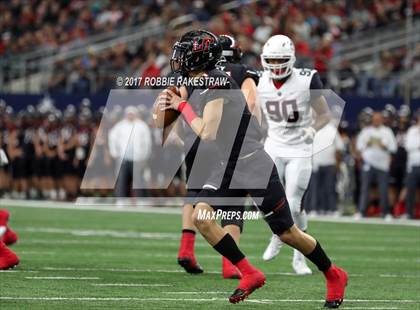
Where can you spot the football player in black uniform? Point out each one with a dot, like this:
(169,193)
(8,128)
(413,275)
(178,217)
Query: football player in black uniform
(247,79)
(67,152)
(210,115)
(16,152)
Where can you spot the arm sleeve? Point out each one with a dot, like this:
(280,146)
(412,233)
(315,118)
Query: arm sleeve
(248,72)
(316,82)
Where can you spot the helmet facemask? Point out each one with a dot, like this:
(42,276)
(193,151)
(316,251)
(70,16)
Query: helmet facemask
(281,69)
(179,57)
(195,51)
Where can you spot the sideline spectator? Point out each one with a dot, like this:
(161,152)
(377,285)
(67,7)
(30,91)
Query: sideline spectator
(326,164)
(375,143)
(130,145)
(412,145)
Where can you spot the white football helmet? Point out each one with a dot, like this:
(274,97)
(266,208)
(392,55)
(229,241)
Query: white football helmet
(278,47)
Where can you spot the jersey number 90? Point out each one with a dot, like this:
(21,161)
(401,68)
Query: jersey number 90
(280,110)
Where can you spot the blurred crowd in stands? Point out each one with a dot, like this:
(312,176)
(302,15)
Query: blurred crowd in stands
(27,25)
(316,27)
(50,149)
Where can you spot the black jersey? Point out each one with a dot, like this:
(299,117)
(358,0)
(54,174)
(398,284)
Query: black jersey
(206,151)
(67,133)
(239,72)
(28,141)
(239,132)
(53,137)
(84,139)
(212,153)
(3,144)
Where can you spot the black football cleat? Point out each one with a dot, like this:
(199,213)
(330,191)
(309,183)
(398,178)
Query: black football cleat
(333,304)
(190,265)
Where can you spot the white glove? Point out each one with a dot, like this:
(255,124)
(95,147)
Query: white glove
(308,134)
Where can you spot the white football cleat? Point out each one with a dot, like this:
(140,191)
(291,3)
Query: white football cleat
(299,264)
(389,218)
(273,248)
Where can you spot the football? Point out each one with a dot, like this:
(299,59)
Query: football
(165,118)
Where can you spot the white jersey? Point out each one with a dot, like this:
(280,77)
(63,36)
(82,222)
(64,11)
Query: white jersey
(376,145)
(288,112)
(412,146)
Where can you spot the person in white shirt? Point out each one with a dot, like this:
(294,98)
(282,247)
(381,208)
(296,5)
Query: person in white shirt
(376,143)
(130,145)
(325,163)
(412,145)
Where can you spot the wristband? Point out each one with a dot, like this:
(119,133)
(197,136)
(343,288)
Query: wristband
(187,111)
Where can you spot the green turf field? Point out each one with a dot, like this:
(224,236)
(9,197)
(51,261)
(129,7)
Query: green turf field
(78,259)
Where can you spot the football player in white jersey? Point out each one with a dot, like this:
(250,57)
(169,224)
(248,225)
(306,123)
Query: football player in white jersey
(290,108)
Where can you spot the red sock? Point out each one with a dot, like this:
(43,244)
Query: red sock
(187,243)
(245,266)
(226,263)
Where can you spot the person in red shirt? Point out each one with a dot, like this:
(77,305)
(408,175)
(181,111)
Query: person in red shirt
(322,56)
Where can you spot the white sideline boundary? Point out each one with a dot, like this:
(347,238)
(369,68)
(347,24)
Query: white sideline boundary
(178,210)
(395,301)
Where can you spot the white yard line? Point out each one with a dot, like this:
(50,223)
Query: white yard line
(14,271)
(50,268)
(392,301)
(90,207)
(102,233)
(194,293)
(131,285)
(178,210)
(414,276)
(62,278)
(162,236)
(37,253)
(119,270)
(211,256)
(373,308)
(403,244)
